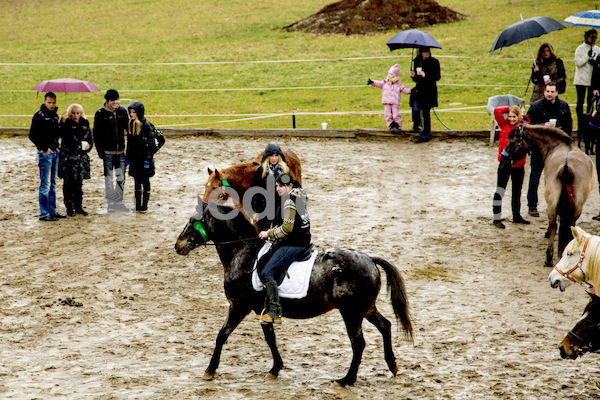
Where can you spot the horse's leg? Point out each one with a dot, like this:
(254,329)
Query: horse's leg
(385,327)
(277,361)
(235,316)
(551,236)
(354,327)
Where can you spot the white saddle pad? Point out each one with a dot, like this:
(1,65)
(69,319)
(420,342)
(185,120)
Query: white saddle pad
(295,283)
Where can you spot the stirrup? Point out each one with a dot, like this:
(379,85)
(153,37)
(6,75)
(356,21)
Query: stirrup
(266,319)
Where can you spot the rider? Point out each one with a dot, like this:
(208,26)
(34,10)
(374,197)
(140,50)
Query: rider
(271,166)
(291,234)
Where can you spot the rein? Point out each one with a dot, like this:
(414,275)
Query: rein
(578,265)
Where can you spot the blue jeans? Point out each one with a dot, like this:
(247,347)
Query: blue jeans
(116,163)
(281,259)
(537,165)
(416,114)
(48,165)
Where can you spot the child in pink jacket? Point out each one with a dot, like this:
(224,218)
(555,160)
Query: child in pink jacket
(390,98)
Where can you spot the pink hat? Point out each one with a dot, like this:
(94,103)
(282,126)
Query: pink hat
(394,70)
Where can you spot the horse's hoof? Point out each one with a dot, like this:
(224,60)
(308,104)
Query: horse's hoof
(337,385)
(271,376)
(208,376)
(548,264)
(394,370)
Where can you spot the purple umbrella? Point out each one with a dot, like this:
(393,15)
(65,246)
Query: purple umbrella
(412,38)
(66,85)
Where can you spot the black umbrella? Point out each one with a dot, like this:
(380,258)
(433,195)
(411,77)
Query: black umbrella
(524,30)
(412,38)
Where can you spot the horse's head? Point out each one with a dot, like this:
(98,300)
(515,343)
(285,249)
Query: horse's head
(573,265)
(218,223)
(194,233)
(585,335)
(516,148)
(216,180)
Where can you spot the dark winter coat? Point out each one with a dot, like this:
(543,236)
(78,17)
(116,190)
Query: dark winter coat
(543,110)
(44,129)
(425,93)
(73,162)
(109,130)
(142,144)
(553,67)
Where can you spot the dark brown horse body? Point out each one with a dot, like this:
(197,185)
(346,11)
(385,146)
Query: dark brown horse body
(569,177)
(585,335)
(239,176)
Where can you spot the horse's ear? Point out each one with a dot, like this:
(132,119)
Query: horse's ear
(210,171)
(593,297)
(578,233)
(217,174)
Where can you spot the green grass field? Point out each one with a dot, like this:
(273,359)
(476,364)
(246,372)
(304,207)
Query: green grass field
(221,64)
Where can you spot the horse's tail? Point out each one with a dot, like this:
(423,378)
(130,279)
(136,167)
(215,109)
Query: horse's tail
(566,209)
(397,291)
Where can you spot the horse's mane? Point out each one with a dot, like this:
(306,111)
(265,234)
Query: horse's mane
(592,253)
(242,217)
(555,133)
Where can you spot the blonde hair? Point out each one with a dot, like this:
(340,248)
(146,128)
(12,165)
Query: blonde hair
(265,165)
(74,107)
(135,126)
(515,110)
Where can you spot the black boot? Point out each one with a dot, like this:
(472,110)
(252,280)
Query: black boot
(274,313)
(145,199)
(138,200)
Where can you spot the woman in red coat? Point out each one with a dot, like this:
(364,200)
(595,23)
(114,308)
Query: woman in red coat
(515,172)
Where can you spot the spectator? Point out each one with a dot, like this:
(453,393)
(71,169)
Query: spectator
(110,124)
(142,144)
(424,95)
(74,162)
(585,60)
(540,113)
(548,68)
(44,134)
(390,98)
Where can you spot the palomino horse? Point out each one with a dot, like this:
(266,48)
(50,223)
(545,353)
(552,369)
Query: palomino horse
(585,335)
(580,262)
(239,176)
(569,176)
(341,278)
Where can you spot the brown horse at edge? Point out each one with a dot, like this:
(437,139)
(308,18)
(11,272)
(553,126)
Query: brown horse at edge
(239,176)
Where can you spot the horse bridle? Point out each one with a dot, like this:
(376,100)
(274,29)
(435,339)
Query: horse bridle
(197,221)
(577,266)
(519,147)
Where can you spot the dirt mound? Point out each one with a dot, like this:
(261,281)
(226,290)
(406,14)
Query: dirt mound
(351,17)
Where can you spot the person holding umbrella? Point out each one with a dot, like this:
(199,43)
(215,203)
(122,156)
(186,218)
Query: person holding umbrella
(585,59)
(547,68)
(424,95)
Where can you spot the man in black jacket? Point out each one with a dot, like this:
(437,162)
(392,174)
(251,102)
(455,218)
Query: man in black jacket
(44,134)
(110,124)
(549,111)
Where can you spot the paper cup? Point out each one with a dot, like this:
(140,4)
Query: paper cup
(546,78)
(84,145)
(324,125)
(419,69)
(552,121)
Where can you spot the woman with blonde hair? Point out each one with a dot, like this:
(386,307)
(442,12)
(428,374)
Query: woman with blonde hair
(74,162)
(271,167)
(142,144)
(515,172)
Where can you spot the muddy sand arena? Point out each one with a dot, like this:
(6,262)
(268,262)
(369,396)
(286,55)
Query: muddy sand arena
(102,307)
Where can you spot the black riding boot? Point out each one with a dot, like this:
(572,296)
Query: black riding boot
(274,313)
